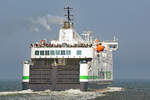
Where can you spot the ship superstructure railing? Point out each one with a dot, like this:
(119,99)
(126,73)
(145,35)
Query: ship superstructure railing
(49,45)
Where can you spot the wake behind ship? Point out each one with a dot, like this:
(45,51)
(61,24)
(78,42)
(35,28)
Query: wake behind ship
(71,62)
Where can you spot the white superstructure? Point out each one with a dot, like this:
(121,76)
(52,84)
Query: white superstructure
(71,45)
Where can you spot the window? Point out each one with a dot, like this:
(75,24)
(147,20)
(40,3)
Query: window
(112,46)
(52,52)
(42,52)
(68,52)
(62,52)
(57,52)
(36,52)
(46,52)
(79,52)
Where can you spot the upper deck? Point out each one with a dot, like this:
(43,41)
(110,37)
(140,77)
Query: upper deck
(71,45)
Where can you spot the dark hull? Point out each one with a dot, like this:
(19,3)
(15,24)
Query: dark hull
(45,75)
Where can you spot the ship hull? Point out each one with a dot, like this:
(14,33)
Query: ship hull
(46,75)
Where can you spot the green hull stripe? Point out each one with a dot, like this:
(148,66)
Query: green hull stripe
(93,77)
(88,77)
(107,73)
(25,77)
(84,77)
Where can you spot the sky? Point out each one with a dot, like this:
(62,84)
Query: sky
(23,22)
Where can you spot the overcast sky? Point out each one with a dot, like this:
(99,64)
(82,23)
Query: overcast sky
(25,21)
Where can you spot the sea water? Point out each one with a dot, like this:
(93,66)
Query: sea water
(119,90)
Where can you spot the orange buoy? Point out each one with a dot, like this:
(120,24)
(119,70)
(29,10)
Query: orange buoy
(99,48)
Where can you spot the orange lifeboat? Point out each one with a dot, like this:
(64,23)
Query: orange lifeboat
(99,48)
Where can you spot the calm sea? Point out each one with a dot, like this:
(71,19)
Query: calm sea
(130,90)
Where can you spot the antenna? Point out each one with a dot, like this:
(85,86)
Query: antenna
(68,2)
(68,15)
(115,38)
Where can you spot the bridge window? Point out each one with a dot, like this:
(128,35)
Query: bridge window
(79,52)
(36,52)
(62,52)
(52,52)
(57,52)
(68,52)
(46,52)
(42,52)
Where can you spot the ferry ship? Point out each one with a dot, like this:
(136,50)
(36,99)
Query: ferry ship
(72,62)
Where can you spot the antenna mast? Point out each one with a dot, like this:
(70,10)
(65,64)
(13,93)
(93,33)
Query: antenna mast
(68,15)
